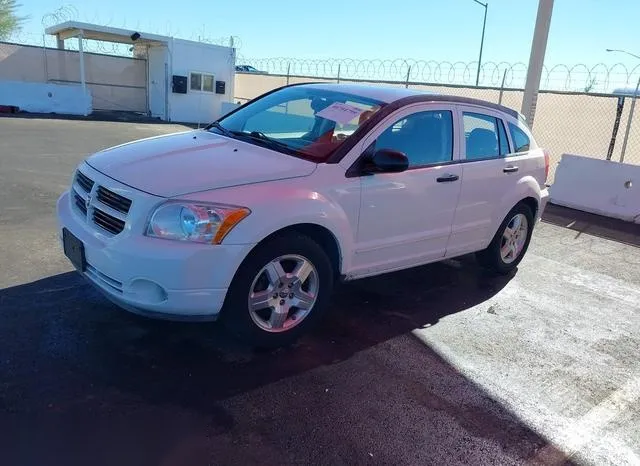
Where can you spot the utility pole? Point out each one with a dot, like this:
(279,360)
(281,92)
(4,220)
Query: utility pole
(536,59)
(484,26)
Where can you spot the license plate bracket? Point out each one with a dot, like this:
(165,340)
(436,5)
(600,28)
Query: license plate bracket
(74,250)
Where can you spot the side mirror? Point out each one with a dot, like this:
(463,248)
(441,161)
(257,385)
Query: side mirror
(386,161)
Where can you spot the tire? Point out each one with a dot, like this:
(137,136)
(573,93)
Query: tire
(267,309)
(493,257)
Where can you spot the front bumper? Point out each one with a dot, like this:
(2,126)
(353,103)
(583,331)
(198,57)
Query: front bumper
(151,276)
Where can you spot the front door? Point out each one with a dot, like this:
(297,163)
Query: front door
(405,218)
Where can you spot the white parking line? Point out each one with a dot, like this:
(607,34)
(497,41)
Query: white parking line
(554,374)
(589,429)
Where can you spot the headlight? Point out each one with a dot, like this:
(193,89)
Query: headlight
(200,223)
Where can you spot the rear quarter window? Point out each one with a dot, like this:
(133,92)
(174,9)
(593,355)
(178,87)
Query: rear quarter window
(521,141)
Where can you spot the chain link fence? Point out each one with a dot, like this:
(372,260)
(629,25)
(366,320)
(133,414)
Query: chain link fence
(575,122)
(633,148)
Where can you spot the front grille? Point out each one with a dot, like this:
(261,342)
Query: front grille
(80,202)
(84,181)
(108,222)
(113,200)
(101,206)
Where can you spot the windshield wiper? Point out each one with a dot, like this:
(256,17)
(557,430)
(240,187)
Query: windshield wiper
(222,129)
(263,138)
(257,136)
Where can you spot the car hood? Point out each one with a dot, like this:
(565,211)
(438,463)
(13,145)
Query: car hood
(193,161)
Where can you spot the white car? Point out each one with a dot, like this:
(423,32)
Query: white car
(254,218)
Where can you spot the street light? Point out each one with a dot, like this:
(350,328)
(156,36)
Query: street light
(624,51)
(484,24)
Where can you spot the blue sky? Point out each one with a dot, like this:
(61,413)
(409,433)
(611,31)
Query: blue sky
(418,29)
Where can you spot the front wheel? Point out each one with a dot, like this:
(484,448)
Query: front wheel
(511,241)
(279,292)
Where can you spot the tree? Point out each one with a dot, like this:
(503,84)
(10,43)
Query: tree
(10,22)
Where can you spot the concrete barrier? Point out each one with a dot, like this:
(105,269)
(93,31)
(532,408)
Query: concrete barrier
(598,186)
(46,97)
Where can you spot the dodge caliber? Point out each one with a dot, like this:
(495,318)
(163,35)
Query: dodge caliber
(254,218)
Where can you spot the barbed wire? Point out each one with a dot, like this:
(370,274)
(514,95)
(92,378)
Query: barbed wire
(108,48)
(70,13)
(59,15)
(579,77)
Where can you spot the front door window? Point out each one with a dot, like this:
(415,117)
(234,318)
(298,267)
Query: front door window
(426,138)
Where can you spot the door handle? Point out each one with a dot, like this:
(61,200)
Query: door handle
(510,169)
(447,178)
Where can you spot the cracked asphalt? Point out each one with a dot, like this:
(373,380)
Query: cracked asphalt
(441,364)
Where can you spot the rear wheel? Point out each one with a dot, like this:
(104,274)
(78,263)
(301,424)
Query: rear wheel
(510,242)
(279,292)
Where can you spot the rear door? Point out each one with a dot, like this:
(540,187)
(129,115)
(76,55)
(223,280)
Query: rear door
(490,170)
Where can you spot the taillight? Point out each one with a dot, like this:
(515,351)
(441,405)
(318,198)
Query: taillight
(546,164)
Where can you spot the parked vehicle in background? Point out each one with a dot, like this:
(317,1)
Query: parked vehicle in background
(249,69)
(254,218)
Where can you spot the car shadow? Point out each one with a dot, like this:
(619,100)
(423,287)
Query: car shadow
(68,343)
(592,224)
(364,313)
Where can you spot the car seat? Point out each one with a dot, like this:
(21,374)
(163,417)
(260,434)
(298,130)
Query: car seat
(482,143)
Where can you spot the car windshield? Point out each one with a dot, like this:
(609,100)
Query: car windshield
(304,121)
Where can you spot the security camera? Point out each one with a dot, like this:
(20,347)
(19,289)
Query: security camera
(135,36)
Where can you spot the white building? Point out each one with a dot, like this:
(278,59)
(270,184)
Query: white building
(183,81)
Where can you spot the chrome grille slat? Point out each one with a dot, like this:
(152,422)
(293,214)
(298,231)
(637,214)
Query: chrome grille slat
(80,202)
(108,222)
(108,210)
(113,200)
(84,181)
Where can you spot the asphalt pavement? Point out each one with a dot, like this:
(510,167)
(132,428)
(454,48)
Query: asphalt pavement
(442,364)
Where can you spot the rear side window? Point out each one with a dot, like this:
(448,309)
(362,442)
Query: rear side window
(520,139)
(485,136)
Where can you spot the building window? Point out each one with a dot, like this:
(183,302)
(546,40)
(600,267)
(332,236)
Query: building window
(207,83)
(196,82)
(202,82)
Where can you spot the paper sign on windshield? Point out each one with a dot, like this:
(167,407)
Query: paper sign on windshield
(340,113)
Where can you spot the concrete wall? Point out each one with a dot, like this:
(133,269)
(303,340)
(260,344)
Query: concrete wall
(573,123)
(67,99)
(121,83)
(199,106)
(22,63)
(116,83)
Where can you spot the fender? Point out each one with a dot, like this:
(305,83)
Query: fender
(527,186)
(303,205)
